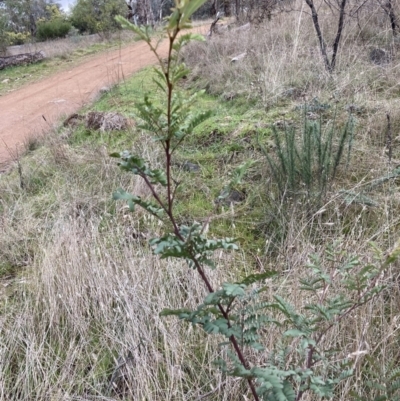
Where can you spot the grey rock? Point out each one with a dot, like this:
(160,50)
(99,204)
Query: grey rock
(190,167)
(233,197)
(379,56)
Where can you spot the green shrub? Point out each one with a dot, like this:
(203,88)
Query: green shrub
(53,29)
(3,35)
(87,18)
(17,38)
(308,163)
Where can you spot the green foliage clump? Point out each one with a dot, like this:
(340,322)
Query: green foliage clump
(53,29)
(309,162)
(4,42)
(383,383)
(90,16)
(17,38)
(242,313)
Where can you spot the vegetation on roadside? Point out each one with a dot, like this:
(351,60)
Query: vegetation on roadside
(97,18)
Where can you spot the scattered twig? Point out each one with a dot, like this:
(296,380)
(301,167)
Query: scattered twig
(16,157)
(214,23)
(389,138)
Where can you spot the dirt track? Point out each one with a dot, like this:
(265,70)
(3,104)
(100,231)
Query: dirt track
(22,111)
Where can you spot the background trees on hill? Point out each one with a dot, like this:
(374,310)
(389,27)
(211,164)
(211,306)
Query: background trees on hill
(23,15)
(21,19)
(97,16)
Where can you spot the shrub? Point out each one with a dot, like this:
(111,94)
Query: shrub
(17,38)
(99,18)
(309,163)
(3,35)
(53,29)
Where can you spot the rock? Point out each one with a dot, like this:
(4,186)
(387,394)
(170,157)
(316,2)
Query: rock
(104,89)
(21,59)
(107,121)
(233,197)
(190,167)
(5,81)
(73,120)
(379,56)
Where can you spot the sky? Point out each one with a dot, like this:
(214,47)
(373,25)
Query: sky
(65,4)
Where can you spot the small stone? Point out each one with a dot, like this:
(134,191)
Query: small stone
(312,116)
(5,81)
(234,197)
(379,56)
(104,89)
(190,167)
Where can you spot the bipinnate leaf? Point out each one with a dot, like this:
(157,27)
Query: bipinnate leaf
(234,290)
(138,166)
(183,40)
(141,31)
(294,333)
(257,277)
(175,312)
(133,200)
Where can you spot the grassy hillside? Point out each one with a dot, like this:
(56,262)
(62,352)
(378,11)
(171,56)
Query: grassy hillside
(81,291)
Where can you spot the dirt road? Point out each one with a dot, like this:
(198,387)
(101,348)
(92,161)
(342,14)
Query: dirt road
(65,92)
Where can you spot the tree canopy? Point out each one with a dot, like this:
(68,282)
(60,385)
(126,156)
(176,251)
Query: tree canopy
(96,16)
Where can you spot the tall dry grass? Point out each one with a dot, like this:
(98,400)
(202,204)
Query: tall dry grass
(283,60)
(81,319)
(64,47)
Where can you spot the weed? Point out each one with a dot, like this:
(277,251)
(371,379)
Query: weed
(309,164)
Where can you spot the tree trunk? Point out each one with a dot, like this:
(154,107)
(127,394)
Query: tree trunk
(317,27)
(144,12)
(227,8)
(338,34)
(330,65)
(20,59)
(237,9)
(213,8)
(388,7)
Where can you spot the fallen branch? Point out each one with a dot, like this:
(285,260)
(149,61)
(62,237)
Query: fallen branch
(213,25)
(20,59)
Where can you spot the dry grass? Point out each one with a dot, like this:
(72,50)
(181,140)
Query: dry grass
(66,46)
(283,61)
(80,320)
